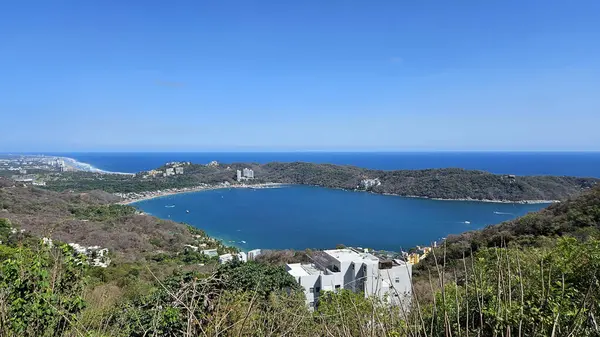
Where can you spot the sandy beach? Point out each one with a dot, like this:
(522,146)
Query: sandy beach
(131,198)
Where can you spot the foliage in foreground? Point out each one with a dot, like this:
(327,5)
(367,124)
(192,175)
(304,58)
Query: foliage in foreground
(40,291)
(500,292)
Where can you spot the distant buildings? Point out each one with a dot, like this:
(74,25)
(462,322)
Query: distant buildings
(248,173)
(332,270)
(97,257)
(169,171)
(245,174)
(369,183)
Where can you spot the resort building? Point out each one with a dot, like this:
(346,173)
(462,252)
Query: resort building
(245,174)
(253,254)
(358,271)
(248,173)
(241,256)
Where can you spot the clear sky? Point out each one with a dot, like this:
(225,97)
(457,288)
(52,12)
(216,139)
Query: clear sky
(104,75)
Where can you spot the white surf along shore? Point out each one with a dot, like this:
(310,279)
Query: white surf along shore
(76,165)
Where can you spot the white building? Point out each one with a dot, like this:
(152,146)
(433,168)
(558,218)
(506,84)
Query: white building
(253,254)
(210,252)
(241,256)
(170,171)
(245,174)
(179,170)
(351,269)
(225,258)
(248,173)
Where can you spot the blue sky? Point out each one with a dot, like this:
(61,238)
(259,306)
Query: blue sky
(299,75)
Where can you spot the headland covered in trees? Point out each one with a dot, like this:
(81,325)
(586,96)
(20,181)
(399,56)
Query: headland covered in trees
(449,183)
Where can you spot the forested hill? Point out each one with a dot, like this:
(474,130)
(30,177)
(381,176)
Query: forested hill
(577,217)
(450,183)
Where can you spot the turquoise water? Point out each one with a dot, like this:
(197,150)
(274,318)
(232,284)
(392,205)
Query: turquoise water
(300,217)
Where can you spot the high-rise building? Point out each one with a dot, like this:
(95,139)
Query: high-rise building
(248,173)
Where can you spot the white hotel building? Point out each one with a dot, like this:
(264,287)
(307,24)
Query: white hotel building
(358,271)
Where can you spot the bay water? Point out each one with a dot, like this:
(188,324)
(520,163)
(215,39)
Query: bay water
(300,217)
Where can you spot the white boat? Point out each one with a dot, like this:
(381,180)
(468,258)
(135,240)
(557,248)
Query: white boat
(187,211)
(243,241)
(467,222)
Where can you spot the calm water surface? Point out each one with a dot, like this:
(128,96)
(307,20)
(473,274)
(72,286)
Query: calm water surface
(300,217)
(581,164)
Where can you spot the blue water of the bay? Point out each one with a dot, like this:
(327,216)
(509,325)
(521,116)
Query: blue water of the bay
(299,217)
(302,217)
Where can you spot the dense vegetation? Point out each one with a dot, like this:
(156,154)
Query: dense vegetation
(577,217)
(538,275)
(432,183)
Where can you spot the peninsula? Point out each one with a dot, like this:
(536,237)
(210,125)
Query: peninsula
(448,183)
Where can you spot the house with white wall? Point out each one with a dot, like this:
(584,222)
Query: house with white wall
(358,271)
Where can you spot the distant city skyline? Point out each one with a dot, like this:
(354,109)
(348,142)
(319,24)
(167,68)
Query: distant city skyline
(267,75)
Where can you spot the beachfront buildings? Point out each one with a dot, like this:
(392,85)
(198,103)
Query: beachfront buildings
(356,270)
(245,174)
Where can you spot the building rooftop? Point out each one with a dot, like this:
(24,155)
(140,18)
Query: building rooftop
(296,270)
(299,269)
(343,255)
(348,255)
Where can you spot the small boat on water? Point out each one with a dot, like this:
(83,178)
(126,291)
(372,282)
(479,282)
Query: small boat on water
(243,241)
(170,206)
(467,222)
(187,211)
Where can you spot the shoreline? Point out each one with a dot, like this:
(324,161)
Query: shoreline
(76,165)
(523,202)
(149,195)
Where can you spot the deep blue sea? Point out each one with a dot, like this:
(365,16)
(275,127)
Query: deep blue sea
(300,217)
(583,164)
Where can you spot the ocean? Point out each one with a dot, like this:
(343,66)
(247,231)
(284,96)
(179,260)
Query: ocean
(300,217)
(581,164)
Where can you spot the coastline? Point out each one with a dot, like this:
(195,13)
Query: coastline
(75,165)
(524,202)
(132,198)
